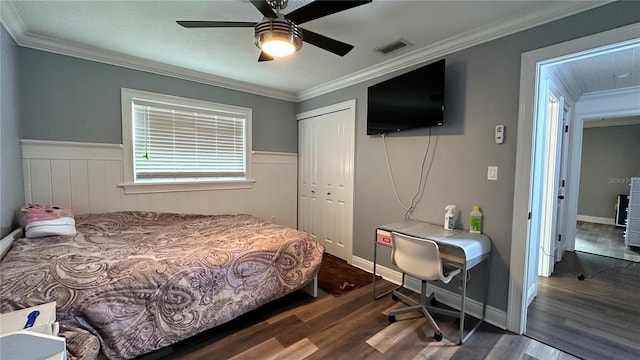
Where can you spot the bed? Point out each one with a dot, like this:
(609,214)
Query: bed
(129,283)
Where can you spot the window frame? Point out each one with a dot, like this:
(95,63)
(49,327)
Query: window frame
(128,96)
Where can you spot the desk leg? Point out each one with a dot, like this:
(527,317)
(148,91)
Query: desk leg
(484,309)
(463,305)
(375,257)
(375,261)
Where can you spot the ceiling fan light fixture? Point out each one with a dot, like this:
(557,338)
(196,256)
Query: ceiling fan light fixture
(278,37)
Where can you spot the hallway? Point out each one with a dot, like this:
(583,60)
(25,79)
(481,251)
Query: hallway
(604,240)
(596,318)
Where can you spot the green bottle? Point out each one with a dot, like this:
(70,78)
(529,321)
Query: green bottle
(475,225)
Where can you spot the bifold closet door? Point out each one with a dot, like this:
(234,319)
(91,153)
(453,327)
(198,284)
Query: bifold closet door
(308,177)
(326,149)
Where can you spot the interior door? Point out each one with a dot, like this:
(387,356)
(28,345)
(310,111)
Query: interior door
(552,199)
(326,167)
(561,208)
(336,145)
(309,219)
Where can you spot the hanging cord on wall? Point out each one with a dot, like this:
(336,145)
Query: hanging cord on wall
(581,276)
(422,184)
(422,181)
(393,183)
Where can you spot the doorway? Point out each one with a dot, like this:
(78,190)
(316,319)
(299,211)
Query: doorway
(584,289)
(610,148)
(524,251)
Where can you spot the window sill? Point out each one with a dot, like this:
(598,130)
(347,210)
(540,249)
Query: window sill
(146,188)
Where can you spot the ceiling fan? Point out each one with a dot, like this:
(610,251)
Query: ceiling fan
(278,34)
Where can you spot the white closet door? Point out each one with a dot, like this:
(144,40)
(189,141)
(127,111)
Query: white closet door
(326,161)
(308,177)
(336,165)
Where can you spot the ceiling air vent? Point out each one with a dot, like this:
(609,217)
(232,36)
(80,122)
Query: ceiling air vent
(392,47)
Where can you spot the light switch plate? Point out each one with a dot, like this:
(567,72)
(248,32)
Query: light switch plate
(492,173)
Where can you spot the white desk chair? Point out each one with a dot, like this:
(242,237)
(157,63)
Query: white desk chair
(420,259)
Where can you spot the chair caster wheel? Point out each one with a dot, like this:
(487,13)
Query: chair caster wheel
(392,318)
(394,298)
(437,336)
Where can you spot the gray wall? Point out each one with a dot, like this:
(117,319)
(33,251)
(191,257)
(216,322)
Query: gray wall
(610,156)
(482,87)
(69,99)
(11,183)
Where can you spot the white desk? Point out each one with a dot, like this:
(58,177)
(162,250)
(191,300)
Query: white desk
(458,248)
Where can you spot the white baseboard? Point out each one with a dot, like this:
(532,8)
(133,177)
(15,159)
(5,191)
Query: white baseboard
(597,219)
(531,294)
(493,316)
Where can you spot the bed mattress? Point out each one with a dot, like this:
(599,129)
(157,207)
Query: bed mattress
(132,282)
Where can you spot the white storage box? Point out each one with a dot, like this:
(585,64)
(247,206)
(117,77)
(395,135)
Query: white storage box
(38,342)
(45,323)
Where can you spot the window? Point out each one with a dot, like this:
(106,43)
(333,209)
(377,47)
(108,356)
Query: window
(177,144)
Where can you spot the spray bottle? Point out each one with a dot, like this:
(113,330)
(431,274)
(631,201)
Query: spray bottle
(450,217)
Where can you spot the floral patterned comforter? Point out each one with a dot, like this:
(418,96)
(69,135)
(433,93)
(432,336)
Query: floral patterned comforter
(131,282)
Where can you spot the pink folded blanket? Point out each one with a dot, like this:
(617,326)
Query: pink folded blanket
(46,220)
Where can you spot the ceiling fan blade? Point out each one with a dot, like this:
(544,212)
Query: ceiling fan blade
(323,42)
(318,9)
(215,24)
(264,57)
(264,8)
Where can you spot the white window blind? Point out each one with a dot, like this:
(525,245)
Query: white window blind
(175,143)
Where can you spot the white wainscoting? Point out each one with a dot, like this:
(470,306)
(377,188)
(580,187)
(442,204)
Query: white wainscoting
(86,177)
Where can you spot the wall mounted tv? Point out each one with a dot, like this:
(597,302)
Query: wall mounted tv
(411,100)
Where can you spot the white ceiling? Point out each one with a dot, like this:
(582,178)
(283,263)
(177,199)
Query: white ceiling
(607,70)
(144,35)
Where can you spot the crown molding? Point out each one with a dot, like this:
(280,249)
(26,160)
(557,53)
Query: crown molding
(112,58)
(607,122)
(459,42)
(22,37)
(11,21)
(609,103)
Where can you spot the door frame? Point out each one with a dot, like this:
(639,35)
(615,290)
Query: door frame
(551,123)
(350,106)
(562,233)
(553,160)
(530,68)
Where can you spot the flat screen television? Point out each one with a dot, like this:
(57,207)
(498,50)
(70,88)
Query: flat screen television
(411,100)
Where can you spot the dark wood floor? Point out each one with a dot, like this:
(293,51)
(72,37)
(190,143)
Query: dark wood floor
(352,326)
(597,318)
